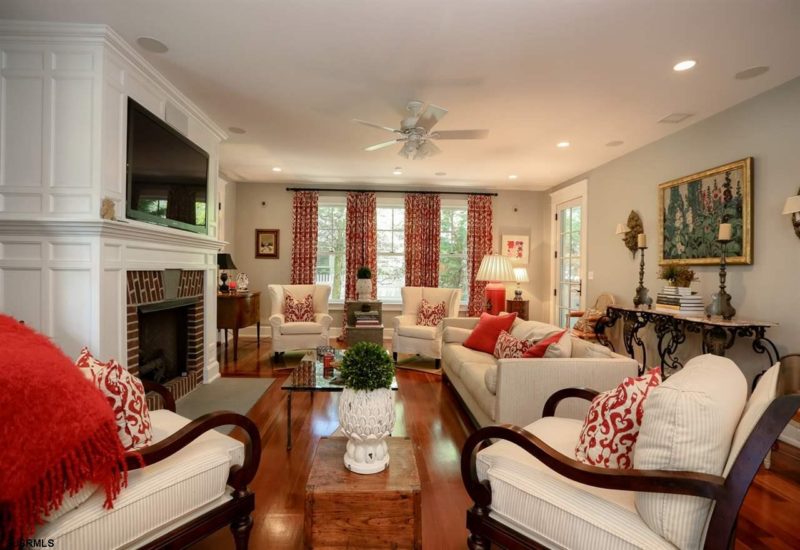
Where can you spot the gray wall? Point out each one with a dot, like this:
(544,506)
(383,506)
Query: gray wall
(766,128)
(269,206)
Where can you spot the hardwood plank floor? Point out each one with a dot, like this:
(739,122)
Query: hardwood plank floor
(429,414)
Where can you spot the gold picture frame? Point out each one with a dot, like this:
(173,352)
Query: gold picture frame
(691,208)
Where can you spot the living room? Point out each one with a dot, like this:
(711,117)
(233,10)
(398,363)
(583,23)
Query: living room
(261,229)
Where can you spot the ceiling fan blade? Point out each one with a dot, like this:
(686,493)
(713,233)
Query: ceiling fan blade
(430,117)
(365,123)
(460,134)
(382,145)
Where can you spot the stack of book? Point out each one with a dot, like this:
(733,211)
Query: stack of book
(367,318)
(680,299)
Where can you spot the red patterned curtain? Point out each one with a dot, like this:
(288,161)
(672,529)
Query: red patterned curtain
(362,240)
(479,243)
(422,237)
(304,237)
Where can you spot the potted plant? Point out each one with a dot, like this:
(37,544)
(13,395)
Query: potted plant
(366,407)
(677,275)
(364,283)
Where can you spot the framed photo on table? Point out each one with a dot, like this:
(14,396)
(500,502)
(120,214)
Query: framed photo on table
(267,243)
(690,210)
(515,247)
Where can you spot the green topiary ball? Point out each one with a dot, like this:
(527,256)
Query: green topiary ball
(367,366)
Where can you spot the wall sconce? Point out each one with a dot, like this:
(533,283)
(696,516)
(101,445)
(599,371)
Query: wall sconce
(792,207)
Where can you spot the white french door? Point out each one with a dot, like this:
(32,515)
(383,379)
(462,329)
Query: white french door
(568,207)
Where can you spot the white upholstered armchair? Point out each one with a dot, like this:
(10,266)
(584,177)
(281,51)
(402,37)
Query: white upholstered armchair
(299,335)
(422,340)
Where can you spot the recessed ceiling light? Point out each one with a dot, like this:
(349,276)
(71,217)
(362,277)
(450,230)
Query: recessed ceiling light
(237,130)
(440,174)
(752,72)
(512,176)
(562,144)
(684,65)
(151,44)
(277,169)
(397,171)
(615,143)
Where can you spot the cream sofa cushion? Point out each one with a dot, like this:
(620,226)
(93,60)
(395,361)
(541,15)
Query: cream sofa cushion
(301,327)
(472,376)
(417,331)
(584,348)
(553,510)
(455,355)
(532,330)
(688,425)
(159,495)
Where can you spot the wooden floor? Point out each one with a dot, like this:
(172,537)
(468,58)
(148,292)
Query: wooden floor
(429,414)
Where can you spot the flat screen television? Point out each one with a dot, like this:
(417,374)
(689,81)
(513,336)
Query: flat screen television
(167,174)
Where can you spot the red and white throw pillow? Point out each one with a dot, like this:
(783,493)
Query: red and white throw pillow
(125,395)
(510,347)
(430,315)
(298,311)
(611,427)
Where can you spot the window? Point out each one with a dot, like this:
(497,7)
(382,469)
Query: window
(391,251)
(331,248)
(453,252)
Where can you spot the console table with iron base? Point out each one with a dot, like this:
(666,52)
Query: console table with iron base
(671,329)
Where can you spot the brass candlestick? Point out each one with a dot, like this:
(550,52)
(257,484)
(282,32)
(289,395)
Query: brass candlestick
(721,301)
(641,298)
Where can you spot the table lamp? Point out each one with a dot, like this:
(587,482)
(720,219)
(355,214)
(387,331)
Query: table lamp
(495,270)
(521,276)
(224,261)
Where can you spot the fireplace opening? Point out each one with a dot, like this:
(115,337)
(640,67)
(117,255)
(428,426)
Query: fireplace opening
(164,339)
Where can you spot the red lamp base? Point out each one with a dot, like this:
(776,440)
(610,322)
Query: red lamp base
(495,298)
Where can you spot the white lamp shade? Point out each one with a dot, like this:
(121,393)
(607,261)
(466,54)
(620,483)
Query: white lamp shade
(521,274)
(495,268)
(622,229)
(792,205)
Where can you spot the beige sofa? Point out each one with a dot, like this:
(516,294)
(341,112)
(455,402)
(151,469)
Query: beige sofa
(514,391)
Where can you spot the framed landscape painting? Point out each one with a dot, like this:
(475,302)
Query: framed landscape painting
(267,243)
(515,247)
(691,209)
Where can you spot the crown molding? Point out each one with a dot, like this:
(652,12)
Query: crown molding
(46,31)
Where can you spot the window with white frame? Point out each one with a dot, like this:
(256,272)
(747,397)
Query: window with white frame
(453,248)
(331,243)
(391,249)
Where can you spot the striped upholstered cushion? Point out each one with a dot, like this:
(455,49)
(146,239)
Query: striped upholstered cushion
(689,423)
(556,511)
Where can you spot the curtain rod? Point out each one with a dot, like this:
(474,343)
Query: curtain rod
(389,191)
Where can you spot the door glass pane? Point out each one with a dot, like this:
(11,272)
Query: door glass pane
(575,301)
(563,318)
(575,219)
(564,217)
(565,247)
(564,293)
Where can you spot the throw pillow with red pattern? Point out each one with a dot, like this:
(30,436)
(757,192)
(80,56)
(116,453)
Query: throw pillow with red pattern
(125,395)
(612,425)
(430,315)
(298,311)
(509,347)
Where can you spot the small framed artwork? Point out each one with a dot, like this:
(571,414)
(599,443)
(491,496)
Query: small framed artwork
(690,210)
(515,247)
(267,243)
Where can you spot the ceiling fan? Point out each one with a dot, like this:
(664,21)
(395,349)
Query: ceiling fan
(415,132)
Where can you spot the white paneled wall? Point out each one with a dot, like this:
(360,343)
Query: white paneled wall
(63,134)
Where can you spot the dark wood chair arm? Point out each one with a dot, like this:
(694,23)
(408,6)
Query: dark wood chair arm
(553,401)
(166,395)
(652,481)
(239,476)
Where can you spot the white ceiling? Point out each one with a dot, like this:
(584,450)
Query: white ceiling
(534,72)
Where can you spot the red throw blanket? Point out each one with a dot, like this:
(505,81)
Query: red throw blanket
(57,432)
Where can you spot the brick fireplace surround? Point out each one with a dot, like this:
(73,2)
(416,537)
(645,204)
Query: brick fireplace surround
(147,287)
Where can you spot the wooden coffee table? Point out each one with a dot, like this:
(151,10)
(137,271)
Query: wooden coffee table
(349,510)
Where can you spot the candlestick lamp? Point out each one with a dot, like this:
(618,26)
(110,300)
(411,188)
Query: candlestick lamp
(721,301)
(521,276)
(641,298)
(224,261)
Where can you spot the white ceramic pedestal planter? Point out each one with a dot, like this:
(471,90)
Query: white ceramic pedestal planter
(364,289)
(367,419)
